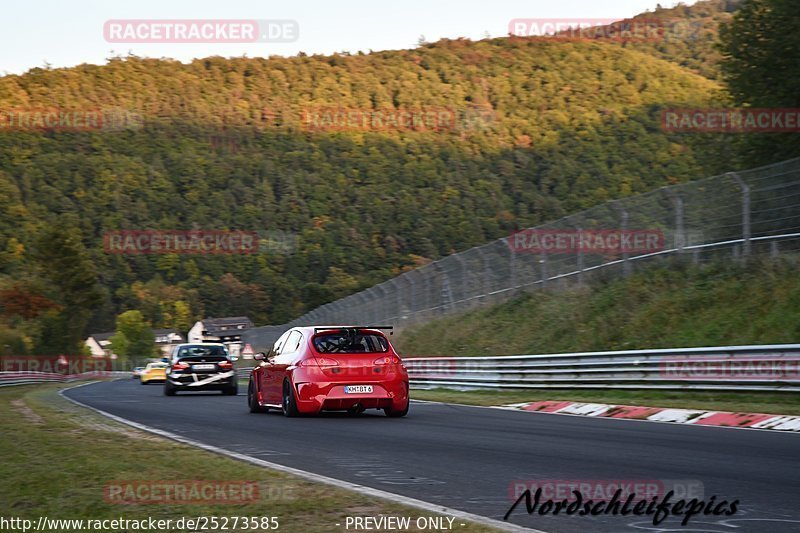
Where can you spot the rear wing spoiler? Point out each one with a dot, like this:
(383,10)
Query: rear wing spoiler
(353,328)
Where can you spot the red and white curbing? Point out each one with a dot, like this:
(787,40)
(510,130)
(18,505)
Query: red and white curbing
(659,414)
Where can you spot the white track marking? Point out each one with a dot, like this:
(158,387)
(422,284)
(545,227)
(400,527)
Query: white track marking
(310,476)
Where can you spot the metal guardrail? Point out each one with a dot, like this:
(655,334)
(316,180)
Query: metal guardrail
(752,368)
(736,368)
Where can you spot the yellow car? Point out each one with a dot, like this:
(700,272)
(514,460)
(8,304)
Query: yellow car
(153,372)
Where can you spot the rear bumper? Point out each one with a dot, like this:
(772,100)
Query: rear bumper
(194,381)
(331,396)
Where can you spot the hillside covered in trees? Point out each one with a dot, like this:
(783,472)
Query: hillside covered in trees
(529,129)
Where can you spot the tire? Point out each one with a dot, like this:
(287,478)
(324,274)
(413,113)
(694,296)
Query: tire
(391,413)
(252,401)
(289,405)
(142,382)
(169,389)
(232,390)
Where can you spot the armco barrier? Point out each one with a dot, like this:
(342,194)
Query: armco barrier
(752,368)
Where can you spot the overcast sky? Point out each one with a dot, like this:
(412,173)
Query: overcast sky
(67,33)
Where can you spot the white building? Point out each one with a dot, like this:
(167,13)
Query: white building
(227,330)
(167,339)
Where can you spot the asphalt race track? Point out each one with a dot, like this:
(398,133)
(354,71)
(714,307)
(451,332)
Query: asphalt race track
(468,458)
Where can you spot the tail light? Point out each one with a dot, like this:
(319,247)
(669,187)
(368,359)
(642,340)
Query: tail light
(180,366)
(326,361)
(387,360)
(225,365)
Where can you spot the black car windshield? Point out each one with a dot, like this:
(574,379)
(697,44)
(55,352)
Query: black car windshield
(345,342)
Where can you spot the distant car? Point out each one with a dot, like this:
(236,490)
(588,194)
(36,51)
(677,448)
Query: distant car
(331,368)
(137,372)
(153,372)
(196,367)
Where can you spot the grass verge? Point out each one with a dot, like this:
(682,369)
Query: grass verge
(768,403)
(58,458)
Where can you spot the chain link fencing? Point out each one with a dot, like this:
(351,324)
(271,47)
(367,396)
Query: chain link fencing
(730,217)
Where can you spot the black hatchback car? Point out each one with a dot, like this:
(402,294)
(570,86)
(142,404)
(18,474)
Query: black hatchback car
(196,367)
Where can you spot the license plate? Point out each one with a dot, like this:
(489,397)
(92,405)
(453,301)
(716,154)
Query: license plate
(358,389)
(204,367)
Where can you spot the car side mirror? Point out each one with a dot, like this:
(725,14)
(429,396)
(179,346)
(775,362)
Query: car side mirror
(260,356)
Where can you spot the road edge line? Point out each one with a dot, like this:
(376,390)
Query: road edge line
(309,476)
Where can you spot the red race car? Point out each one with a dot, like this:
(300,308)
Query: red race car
(336,368)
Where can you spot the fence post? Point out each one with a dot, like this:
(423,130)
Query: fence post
(397,301)
(677,202)
(623,226)
(380,300)
(335,311)
(412,296)
(745,212)
(405,310)
(362,309)
(512,271)
(543,263)
(461,283)
(485,276)
(579,254)
(445,296)
(428,292)
(368,309)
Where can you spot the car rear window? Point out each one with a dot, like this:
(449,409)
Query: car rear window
(203,352)
(345,342)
